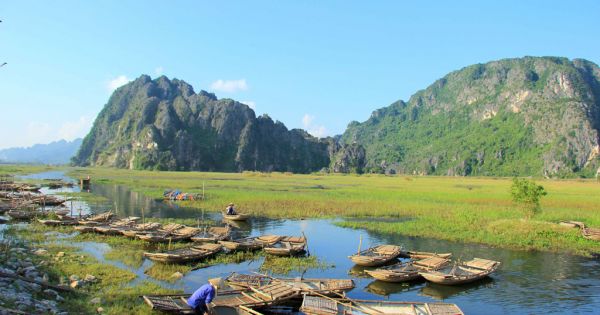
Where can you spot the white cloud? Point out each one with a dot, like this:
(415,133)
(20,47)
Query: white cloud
(116,83)
(316,130)
(251,104)
(159,71)
(307,120)
(71,130)
(229,86)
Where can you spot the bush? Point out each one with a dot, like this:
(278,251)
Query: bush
(528,194)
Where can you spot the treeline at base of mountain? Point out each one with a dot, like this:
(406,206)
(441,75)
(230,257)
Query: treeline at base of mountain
(531,116)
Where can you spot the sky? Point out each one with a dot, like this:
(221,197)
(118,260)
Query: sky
(316,65)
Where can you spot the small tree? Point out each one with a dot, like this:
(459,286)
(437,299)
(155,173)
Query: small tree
(528,194)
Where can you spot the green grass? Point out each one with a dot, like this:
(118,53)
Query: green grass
(465,209)
(112,285)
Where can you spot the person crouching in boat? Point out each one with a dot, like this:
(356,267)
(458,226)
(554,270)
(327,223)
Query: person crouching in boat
(201,299)
(230,210)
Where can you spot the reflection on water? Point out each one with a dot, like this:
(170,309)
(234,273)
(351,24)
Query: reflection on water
(527,282)
(443,292)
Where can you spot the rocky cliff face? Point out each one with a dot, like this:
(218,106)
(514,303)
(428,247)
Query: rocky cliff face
(163,124)
(526,116)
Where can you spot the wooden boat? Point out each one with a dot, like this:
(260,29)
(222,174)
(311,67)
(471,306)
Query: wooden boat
(321,286)
(316,305)
(116,227)
(376,256)
(236,217)
(572,224)
(183,255)
(213,234)
(422,255)
(141,229)
(287,246)
(465,272)
(407,271)
(64,220)
(22,214)
(251,243)
(97,219)
(165,234)
(591,233)
(232,302)
(49,200)
(84,228)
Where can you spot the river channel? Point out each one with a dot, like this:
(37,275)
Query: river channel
(528,282)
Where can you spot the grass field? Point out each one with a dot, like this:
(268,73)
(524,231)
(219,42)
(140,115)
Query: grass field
(463,209)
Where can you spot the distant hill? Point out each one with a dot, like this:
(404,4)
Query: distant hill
(58,152)
(163,124)
(525,116)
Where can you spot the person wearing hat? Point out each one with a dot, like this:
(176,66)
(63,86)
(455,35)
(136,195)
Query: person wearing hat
(230,210)
(201,299)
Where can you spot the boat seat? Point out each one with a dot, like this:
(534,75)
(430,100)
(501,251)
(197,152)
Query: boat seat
(386,249)
(481,263)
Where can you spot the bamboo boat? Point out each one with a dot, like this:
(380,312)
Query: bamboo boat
(465,272)
(164,234)
(572,224)
(591,233)
(232,302)
(251,243)
(213,234)
(376,256)
(287,246)
(141,229)
(97,219)
(116,227)
(422,255)
(183,255)
(321,286)
(22,214)
(236,217)
(316,305)
(64,220)
(49,200)
(407,271)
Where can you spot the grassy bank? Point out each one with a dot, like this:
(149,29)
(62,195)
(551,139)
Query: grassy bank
(451,208)
(110,289)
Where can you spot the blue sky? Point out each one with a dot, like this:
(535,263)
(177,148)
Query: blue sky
(311,64)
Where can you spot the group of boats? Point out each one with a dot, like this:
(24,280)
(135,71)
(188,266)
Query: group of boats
(256,294)
(207,241)
(22,201)
(434,267)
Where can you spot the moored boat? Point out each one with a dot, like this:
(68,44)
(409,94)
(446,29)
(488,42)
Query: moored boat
(316,305)
(591,233)
(115,228)
(250,243)
(183,255)
(415,255)
(212,234)
(376,256)
(141,229)
(407,271)
(287,246)
(63,220)
(464,272)
(22,214)
(236,217)
(321,286)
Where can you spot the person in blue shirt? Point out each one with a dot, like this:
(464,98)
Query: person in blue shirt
(230,210)
(201,298)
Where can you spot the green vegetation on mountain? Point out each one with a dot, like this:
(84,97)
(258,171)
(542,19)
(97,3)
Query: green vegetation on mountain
(162,124)
(532,116)
(525,116)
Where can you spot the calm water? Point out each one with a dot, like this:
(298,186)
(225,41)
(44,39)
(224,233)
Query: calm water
(527,282)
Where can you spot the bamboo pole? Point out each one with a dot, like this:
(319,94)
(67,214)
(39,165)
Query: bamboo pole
(359,244)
